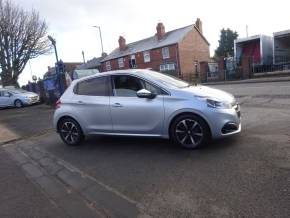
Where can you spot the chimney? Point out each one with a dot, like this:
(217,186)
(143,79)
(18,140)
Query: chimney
(160,31)
(198,25)
(122,43)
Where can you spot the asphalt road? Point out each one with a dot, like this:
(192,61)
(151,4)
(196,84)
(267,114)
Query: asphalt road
(243,176)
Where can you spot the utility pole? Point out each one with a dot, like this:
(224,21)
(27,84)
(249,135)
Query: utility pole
(100,37)
(83,53)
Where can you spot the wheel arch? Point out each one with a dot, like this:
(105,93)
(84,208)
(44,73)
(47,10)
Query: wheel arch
(17,99)
(187,113)
(67,117)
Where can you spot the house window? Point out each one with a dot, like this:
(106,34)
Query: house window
(132,61)
(167,67)
(146,55)
(165,52)
(108,66)
(121,62)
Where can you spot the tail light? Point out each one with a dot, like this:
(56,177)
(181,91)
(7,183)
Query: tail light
(57,104)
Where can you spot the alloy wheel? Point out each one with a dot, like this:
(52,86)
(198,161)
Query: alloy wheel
(18,103)
(189,132)
(69,132)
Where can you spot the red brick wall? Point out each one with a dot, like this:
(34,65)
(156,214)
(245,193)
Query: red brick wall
(156,59)
(192,47)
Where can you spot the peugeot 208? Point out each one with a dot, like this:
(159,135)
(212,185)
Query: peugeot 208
(145,103)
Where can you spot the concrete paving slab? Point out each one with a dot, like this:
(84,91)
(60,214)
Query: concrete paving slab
(74,180)
(32,171)
(52,187)
(77,207)
(114,205)
(7,135)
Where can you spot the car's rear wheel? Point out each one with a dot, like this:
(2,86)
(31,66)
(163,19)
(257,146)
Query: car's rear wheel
(190,131)
(70,131)
(18,103)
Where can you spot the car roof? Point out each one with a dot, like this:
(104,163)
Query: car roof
(136,72)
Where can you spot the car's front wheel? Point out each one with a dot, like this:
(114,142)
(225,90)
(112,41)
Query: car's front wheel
(190,131)
(70,131)
(18,103)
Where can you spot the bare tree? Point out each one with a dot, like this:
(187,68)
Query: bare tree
(22,37)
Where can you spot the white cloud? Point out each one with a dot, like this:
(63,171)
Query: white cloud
(71,21)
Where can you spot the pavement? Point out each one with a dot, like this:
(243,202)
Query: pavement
(243,176)
(19,196)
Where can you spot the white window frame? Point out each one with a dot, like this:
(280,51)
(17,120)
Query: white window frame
(108,66)
(121,62)
(167,67)
(165,52)
(133,57)
(147,57)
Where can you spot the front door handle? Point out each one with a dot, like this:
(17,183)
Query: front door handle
(81,102)
(117,105)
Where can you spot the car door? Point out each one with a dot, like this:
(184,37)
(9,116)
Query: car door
(92,104)
(4,98)
(134,115)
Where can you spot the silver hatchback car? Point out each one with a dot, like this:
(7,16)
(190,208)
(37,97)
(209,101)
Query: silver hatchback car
(17,97)
(145,103)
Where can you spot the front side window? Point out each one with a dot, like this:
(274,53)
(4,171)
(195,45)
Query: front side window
(121,62)
(165,52)
(146,55)
(98,86)
(126,86)
(108,66)
(153,89)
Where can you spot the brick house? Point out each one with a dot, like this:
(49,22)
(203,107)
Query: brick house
(174,52)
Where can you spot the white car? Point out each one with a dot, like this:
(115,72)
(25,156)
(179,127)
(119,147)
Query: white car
(17,97)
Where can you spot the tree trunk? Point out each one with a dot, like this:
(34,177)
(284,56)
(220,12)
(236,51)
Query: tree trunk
(8,80)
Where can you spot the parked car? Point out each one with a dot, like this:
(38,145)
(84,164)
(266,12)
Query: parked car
(145,103)
(17,97)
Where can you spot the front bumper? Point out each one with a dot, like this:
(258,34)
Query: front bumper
(225,122)
(30,101)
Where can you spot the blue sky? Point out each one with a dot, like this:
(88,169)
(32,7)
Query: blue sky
(70,23)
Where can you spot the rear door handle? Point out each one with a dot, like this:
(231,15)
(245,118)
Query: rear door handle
(81,102)
(117,105)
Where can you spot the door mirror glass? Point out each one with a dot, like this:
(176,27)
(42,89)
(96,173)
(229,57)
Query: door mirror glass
(144,93)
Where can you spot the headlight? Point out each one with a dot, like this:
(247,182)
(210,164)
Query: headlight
(218,104)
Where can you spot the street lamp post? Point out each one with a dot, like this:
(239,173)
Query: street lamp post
(100,37)
(53,42)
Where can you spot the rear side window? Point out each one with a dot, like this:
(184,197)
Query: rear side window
(94,87)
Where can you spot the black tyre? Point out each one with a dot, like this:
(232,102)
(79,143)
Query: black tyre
(190,131)
(18,103)
(70,131)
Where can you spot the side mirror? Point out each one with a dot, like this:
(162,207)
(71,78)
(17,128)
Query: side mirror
(143,93)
